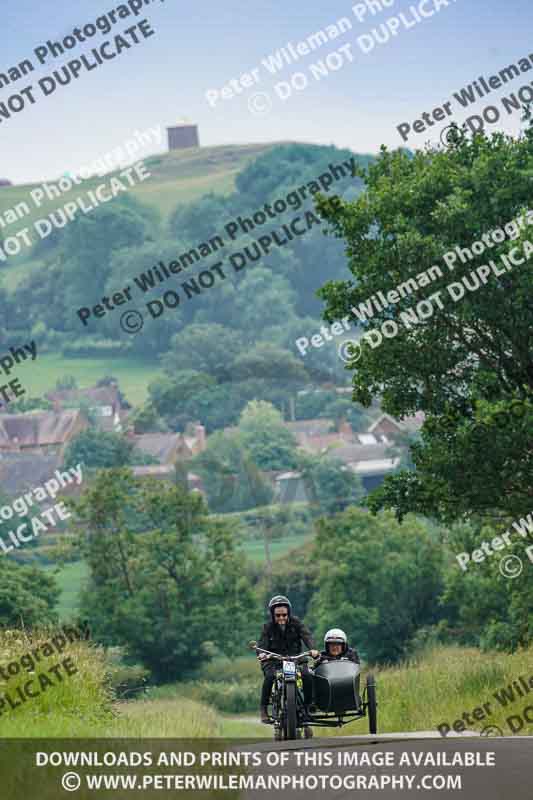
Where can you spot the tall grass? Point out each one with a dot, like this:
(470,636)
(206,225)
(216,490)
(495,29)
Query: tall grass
(84,706)
(442,684)
(71,704)
(419,695)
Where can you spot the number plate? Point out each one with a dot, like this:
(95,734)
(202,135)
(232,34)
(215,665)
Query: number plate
(289,668)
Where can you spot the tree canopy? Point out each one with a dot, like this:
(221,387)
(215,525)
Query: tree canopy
(164,579)
(468,362)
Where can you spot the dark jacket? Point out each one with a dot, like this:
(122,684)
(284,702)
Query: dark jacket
(291,642)
(350,654)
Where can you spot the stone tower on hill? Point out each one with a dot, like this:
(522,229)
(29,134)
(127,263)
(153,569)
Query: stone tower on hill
(182,136)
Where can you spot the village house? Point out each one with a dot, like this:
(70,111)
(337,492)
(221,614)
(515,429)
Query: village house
(40,432)
(169,448)
(104,402)
(167,472)
(392,428)
(318,435)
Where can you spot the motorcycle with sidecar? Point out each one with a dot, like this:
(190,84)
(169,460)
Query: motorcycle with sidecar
(337,700)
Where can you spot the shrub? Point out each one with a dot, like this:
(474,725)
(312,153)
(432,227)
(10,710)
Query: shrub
(228,696)
(125,680)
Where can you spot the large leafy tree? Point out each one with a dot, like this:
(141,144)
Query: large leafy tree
(467,364)
(88,245)
(164,579)
(206,348)
(270,444)
(168,396)
(377,580)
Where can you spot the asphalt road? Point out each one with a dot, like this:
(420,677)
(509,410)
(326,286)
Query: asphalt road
(510,778)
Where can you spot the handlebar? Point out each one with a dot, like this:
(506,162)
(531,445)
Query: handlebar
(253,646)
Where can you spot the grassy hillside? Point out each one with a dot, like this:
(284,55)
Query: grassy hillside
(178,176)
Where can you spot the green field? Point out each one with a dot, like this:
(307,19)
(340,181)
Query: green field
(69,577)
(133,374)
(255,549)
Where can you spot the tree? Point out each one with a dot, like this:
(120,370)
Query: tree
(138,261)
(147,420)
(270,363)
(88,245)
(28,596)
(276,305)
(277,367)
(205,348)
(98,449)
(377,580)
(480,606)
(340,409)
(467,362)
(231,479)
(330,484)
(200,220)
(270,444)
(164,580)
(169,396)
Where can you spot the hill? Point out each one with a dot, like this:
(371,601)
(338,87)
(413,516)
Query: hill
(177,176)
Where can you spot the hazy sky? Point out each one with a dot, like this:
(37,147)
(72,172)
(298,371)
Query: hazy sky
(202,45)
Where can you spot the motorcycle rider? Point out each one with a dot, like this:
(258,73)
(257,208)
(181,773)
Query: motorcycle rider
(336,647)
(284,634)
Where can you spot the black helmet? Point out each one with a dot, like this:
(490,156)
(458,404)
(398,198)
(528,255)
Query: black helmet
(279,600)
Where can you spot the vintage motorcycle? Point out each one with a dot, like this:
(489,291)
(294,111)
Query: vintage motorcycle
(336,695)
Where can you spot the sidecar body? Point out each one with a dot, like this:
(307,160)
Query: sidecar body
(336,686)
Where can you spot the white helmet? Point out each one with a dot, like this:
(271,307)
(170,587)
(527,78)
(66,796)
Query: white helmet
(336,636)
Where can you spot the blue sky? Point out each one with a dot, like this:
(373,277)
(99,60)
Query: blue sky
(202,45)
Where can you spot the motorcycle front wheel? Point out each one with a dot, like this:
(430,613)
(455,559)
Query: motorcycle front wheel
(291,715)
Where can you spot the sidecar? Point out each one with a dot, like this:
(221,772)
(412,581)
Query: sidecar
(337,696)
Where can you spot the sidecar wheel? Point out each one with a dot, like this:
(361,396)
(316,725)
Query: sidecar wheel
(371,704)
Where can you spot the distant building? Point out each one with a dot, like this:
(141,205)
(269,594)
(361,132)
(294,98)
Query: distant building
(388,426)
(370,459)
(170,448)
(182,136)
(318,435)
(104,402)
(167,472)
(5,182)
(44,433)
